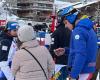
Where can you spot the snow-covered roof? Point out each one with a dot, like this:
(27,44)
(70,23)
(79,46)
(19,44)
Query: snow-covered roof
(88,3)
(61,4)
(5,14)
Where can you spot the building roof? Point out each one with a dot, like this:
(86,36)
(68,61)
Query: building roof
(61,4)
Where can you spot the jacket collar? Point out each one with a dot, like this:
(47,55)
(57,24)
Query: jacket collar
(6,36)
(30,44)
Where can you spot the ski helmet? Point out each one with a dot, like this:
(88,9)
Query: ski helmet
(69,13)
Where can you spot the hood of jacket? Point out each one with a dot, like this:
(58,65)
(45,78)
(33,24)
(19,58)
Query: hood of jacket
(86,23)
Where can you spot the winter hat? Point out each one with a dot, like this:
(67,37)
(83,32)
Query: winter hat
(26,33)
(12,25)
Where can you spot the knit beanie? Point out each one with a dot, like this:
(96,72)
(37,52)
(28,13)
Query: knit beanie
(26,33)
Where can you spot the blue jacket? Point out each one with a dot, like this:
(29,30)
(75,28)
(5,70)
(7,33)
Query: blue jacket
(83,48)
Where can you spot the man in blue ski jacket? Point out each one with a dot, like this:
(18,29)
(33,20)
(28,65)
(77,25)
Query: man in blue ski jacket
(83,45)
